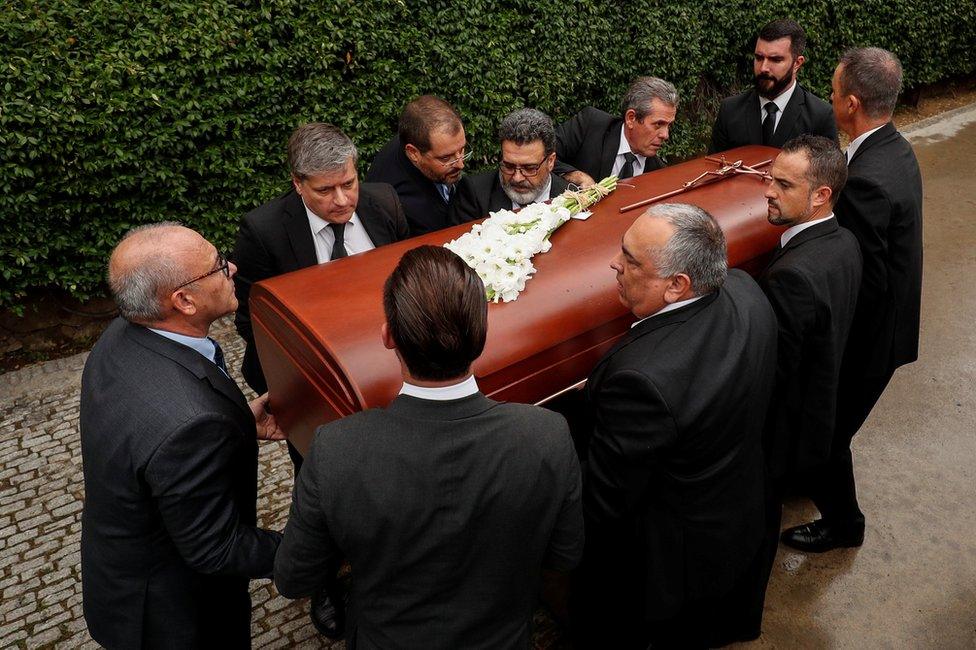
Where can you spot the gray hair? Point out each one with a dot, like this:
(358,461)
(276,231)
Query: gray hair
(873,75)
(642,91)
(319,148)
(697,247)
(528,125)
(827,164)
(137,290)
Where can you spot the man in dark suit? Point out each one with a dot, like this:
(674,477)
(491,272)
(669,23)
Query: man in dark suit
(673,498)
(448,505)
(524,176)
(778,108)
(423,162)
(169,536)
(882,205)
(812,283)
(327,215)
(593,144)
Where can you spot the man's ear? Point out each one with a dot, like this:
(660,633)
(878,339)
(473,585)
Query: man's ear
(630,118)
(798,63)
(413,153)
(387,337)
(183,302)
(297,184)
(679,288)
(821,196)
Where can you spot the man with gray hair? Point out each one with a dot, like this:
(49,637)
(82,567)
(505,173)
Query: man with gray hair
(524,176)
(673,487)
(326,215)
(593,144)
(169,535)
(882,205)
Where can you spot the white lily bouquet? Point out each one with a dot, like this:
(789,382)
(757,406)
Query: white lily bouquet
(500,248)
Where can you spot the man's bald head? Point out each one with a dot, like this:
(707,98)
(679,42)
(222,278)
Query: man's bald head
(147,264)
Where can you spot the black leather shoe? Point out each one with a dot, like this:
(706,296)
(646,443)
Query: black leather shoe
(328,613)
(819,536)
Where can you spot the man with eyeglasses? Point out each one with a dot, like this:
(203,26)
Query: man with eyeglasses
(524,176)
(169,536)
(424,162)
(593,144)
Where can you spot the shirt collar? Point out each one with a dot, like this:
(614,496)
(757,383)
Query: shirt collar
(667,308)
(203,345)
(782,100)
(793,231)
(442,393)
(317,223)
(624,147)
(858,141)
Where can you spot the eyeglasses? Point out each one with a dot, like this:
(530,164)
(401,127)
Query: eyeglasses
(453,161)
(527,170)
(222,265)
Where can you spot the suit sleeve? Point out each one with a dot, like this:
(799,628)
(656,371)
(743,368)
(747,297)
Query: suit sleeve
(191,479)
(720,139)
(864,209)
(401,230)
(253,265)
(792,299)
(566,544)
(308,552)
(633,423)
(464,205)
(569,139)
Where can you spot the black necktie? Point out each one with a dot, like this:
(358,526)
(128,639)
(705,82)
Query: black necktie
(628,169)
(219,357)
(769,124)
(339,245)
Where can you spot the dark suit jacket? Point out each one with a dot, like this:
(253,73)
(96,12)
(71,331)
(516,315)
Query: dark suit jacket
(588,142)
(812,285)
(168,532)
(275,238)
(673,497)
(423,205)
(739,122)
(446,511)
(882,205)
(482,193)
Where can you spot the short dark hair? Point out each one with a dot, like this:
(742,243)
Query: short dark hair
(873,75)
(786,28)
(528,125)
(827,163)
(437,313)
(319,148)
(423,116)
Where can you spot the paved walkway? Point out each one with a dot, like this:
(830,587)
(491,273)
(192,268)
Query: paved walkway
(912,584)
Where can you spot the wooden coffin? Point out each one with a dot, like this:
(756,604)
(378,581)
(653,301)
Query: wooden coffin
(318,329)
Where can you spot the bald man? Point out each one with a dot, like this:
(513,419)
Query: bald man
(169,535)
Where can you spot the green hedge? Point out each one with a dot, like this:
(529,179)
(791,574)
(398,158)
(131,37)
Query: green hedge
(119,113)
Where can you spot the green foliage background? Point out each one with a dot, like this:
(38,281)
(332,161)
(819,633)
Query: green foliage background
(119,113)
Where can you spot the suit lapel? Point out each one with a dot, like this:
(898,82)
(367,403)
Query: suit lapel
(559,185)
(299,233)
(792,113)
(372,218)
(753,122)
(803,236)
(498,200)
(611,143)
(192,361)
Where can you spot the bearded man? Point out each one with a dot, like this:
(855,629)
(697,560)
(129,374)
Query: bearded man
(777,108)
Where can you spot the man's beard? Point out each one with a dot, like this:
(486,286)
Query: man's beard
(522,197)
(779,85)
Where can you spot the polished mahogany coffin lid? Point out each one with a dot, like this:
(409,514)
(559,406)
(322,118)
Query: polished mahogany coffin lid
(318,329)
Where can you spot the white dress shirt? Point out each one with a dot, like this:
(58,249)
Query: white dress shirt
(793,231)
(618,162)
(442,393)
(781,102)
(856,142)
(354,236)
(667,308)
